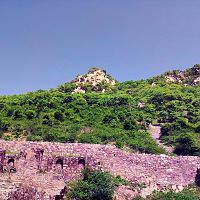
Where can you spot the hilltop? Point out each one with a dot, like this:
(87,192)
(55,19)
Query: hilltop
(95,108)
(94,77)
(188,77)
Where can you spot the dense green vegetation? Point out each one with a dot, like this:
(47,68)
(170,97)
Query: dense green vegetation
(111,117)
(95,185)
(191,193)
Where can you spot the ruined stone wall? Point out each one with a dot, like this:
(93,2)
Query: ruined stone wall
(49,166)
(2,157)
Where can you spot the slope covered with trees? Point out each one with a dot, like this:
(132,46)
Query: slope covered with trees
(109,113)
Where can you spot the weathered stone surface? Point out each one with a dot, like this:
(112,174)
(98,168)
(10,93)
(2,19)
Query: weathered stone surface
(125,193)
(197,178)
(78,90)
(2,157)
(25,193)
(190,76)
(197,81)
(49,172)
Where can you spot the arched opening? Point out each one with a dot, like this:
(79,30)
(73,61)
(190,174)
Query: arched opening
(11,162)
(81,163)
(59,164)
(99,165)
(11,165)
(58,197)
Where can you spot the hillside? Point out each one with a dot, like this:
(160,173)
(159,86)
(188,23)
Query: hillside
(95,108)
(188,77)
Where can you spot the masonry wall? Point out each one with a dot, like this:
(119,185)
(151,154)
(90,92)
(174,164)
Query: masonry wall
(44,165)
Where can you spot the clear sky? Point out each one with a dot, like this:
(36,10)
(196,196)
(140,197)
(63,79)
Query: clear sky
(44,43)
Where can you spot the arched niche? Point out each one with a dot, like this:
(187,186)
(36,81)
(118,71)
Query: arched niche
(11,165)
(59,164)
(81,161)
(11,162)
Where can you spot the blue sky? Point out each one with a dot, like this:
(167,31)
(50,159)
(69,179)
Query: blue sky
(44,43)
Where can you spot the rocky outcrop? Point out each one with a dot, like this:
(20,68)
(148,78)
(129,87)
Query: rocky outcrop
(190,76)
(79,90)
(141,105)
(173,79)
(197,81)
(125,193)
(94,77)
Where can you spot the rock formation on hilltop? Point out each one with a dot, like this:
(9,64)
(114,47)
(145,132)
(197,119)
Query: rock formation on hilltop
(190,76)
(94,77)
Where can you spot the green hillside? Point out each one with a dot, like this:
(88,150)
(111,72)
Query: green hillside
(110,112)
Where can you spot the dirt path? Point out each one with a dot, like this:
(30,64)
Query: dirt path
(155,131)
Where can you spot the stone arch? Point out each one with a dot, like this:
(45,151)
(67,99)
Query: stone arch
(11,162)
(59,164)
(81,163)
(11,165)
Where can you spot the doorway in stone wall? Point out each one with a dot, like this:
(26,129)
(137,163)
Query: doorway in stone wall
(59,165)
(81,163)
(11,165)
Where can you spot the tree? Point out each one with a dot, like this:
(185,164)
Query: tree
(130,124)
(30,114)
(17,114)
(96,185)
(59,116)
(103,186)
(186,145)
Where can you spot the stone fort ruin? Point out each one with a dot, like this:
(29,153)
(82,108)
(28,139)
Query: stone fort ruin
(48,167)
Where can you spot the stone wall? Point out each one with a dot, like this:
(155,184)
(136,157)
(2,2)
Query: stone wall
(2,157)
(49,166)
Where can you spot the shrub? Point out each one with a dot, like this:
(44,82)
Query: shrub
(34,138)
(59,116)
(96,185)
(187,194)
(30,114)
